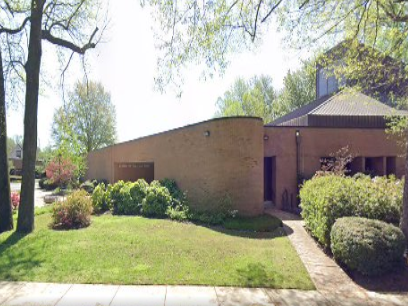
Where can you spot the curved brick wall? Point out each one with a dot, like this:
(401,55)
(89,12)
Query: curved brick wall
(228,161)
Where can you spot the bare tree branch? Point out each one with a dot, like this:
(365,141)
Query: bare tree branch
(46,34)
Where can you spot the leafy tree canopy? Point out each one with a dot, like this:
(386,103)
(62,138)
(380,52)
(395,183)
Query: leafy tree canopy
(299,88)
(257,97)
(88,118)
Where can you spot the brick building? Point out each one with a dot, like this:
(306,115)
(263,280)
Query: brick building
(253,163)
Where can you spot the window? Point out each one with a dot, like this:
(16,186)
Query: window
(18,153)
(326,84)
(374,166)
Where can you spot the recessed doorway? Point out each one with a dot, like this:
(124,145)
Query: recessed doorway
(269,179)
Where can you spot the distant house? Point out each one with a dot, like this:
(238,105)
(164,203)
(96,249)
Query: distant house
(16,157)
(255,163)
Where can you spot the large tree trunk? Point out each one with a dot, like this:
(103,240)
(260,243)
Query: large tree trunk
(25,222)
(404,217)
(6,212)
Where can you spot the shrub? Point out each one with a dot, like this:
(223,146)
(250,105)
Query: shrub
(75,212)
(178,196)
(127,197)
(60,171)
(218,210)
(327,198)
(126,206)
(138,191)
(379,198)
(15,200)
(100,199)
(114,196)
(180,213)
(157,200)
(46,184)
(97,182)
(370,247)
(88,186)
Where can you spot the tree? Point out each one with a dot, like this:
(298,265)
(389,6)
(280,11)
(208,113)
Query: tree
(193,31)
(6,211)
(7,28)
(299,88)
(89,116)
(255,97)
(62,23)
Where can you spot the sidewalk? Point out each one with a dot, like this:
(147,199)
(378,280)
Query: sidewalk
(33,294)
(334,287)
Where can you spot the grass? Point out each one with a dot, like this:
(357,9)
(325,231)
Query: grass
(136,250)
(264,223)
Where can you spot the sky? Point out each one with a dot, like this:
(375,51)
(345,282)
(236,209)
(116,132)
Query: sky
(125,63)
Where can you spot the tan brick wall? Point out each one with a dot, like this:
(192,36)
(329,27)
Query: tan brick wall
(321,142)
(230,160)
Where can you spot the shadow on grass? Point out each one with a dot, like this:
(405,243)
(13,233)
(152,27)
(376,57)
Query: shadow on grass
(13,239)
(17,263)
(255,275)
(279,232)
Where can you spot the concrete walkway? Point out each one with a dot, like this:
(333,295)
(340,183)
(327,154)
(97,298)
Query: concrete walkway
(334,287)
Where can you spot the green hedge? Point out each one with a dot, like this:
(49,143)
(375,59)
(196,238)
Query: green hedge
(370,247)
(159,199)
(327,198)
(100,199)
(130,197)
(140,198)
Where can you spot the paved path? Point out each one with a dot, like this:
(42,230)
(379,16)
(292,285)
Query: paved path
(334,287)
(38,195)
(330,280)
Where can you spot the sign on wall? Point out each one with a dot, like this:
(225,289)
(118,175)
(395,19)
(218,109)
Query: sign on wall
(128,171)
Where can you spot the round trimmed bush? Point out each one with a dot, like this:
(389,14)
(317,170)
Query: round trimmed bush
(371,247)
(73,213)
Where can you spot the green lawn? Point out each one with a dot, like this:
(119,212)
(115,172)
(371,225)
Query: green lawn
(136,250)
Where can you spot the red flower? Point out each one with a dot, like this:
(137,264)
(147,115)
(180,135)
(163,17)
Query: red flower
(15,199)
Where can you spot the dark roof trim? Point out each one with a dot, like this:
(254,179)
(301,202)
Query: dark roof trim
(322,127)
(182,128)
(299,112)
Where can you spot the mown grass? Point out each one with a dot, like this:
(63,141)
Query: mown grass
(136,250)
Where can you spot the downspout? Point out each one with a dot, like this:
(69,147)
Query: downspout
(298,175)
